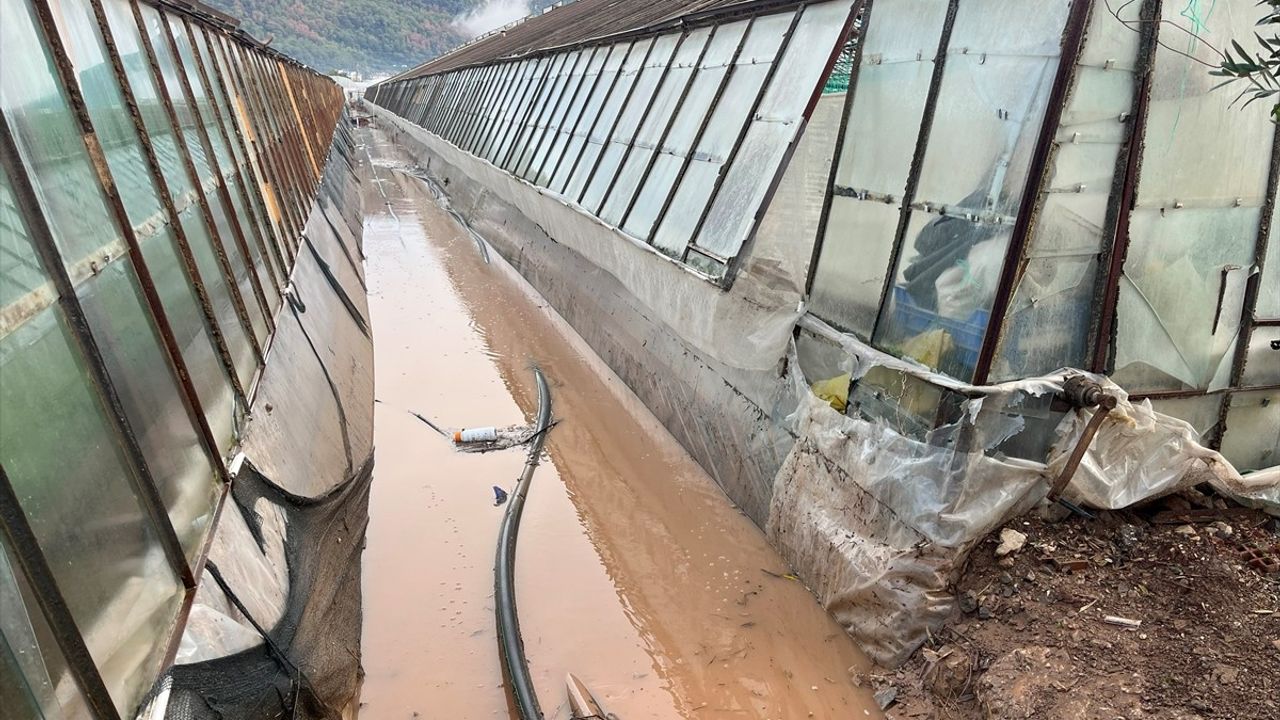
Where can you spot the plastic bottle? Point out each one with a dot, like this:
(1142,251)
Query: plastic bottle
(475,435)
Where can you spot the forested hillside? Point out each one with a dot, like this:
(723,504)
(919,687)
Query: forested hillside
(370,36)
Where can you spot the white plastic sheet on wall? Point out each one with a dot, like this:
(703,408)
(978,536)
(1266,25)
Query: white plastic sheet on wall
(880,523)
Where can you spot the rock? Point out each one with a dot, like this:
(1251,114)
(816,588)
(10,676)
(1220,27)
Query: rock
(1225,674)
(886,697)
(984,614)
(1185,530)
(949,675)
(968,602)
(1011,541)
(1222,529)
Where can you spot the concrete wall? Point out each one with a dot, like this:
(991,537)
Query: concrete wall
(707,361)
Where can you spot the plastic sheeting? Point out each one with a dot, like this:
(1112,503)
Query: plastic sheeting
(880,522)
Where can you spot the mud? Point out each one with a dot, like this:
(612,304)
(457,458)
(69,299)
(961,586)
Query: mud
(635,572)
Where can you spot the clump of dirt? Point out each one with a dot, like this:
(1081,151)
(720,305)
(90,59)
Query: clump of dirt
(1170,612)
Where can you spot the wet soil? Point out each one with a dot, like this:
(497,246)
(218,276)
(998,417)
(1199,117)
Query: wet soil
(634,571)
(1036,642)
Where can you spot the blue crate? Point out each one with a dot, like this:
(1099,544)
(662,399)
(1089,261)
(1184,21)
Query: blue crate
(967,334)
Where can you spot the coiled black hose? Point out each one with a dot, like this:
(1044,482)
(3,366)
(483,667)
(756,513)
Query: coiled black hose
(515,666)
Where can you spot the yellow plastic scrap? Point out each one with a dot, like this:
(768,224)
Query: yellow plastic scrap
(834,391)
(929,347)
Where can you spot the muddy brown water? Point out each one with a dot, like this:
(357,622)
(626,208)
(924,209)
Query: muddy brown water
(634,570)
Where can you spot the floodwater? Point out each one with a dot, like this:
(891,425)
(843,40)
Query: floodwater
(634,571)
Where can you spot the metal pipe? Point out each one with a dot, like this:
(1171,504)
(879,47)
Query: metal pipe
(515,666)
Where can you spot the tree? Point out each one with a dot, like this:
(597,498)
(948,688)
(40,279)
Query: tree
(1261,70)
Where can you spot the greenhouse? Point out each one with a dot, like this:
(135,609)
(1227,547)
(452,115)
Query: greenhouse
(999,197)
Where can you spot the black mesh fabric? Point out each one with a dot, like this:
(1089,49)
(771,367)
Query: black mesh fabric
(308,665)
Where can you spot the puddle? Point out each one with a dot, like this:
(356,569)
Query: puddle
(634,571)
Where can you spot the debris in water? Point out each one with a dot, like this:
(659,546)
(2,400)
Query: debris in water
(499,496)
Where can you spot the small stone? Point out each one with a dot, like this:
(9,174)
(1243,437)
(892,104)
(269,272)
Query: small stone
(968,602)
(1185,530)
(1275,644)
(886,697)
(1011,541)
(1006,578)
(1223,529)
(984,614)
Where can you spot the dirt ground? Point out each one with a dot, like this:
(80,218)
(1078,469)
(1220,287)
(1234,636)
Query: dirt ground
(1050,631)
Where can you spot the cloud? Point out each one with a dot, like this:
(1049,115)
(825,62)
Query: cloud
(491,15)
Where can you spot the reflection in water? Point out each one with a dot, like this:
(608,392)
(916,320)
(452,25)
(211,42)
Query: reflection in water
(635,572)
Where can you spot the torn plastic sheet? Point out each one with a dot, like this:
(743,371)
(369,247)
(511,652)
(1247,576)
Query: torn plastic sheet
(881,523)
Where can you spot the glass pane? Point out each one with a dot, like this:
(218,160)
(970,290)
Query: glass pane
(641,92)
(1268,306)
(1202,412)
(50,142)
(727,119)
(888,103)
(34,680)
(773,128)
(1263,362)
(1194,228)
(658,118)
(20,271)
(1049,317)
(853,263)
(580,85)
(603,81)
(132,177)
(1252,439)
(189,116)
(102,548)
(508,108)
(543,132)
(607,116)
(258,229)
(531,89)
(990,107)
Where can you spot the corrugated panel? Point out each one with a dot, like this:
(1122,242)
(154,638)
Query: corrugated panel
(582,22)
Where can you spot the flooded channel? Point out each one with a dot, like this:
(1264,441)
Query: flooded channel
(634,571)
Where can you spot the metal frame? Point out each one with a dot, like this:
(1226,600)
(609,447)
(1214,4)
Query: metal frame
(1107,290)
(631,142)
(292,92)
(1033,192)
(697,137)
(617,119)
(690,245)
(57,614)
(140,476)
(193,176)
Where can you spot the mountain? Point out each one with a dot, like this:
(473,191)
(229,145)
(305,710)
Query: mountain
(371,36)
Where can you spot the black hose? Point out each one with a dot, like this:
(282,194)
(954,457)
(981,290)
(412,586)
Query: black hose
(515,666)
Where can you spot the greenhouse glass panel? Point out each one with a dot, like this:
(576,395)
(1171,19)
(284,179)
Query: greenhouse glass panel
(777,121)
(657,119)
(1049,318)
(117,591)
(746,78)
(602,127)
(35,681)
(1194,228)
(990,108)
(641,93)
